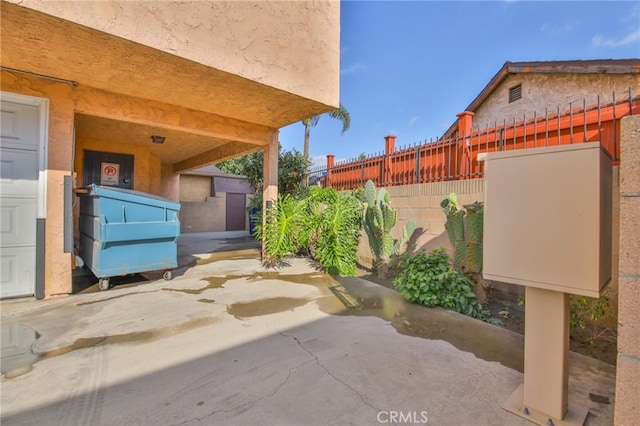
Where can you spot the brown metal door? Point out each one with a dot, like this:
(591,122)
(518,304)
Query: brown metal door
(236,215)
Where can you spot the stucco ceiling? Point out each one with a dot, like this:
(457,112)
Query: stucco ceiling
(178,146)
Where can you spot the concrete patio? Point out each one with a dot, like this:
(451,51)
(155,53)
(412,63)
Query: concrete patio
(228,342)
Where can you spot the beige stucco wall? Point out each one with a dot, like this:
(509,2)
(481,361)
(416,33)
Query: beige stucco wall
(204,216)
(169,183)
(194,188)
(628,363)
(283,44)
(540,91)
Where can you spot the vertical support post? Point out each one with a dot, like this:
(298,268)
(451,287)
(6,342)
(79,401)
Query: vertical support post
(463,151)
(542,398)
(546,351)
(330,164)
(270,180)
(389,148)
(418,176)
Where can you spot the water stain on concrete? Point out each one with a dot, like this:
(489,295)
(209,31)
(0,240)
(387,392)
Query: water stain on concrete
(218,282)
(313,278)
(466,334)
(228,255)
(214,282)
(255,308)
(24,363)
(114,297)
(310,278)
(17,356)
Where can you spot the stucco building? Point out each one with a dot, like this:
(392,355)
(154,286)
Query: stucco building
(526,90)
(214,201)
(154,88)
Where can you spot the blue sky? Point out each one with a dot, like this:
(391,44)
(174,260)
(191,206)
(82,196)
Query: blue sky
(407,68)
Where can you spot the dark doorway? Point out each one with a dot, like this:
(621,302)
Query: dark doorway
(107,168)
(236,217)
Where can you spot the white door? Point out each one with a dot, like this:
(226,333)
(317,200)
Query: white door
(19,142)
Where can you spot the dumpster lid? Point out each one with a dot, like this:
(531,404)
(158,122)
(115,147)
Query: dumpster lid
(128,195)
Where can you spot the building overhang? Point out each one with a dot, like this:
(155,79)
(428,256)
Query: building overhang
(38,43)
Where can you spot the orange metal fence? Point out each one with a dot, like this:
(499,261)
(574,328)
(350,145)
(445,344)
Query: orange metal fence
(457,158)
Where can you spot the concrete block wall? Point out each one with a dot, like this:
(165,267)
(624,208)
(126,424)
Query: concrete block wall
(421,203)
(204,216)
(628,363)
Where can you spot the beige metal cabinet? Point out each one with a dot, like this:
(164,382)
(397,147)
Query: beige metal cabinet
(547,220)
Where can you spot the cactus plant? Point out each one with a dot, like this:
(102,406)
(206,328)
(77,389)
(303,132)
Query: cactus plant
(455,228)
(473,237)
(464,227)
(379,219)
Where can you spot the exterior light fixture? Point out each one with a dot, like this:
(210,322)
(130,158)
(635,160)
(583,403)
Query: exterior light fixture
(157,139)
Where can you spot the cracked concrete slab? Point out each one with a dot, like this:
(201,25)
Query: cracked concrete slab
(177,353)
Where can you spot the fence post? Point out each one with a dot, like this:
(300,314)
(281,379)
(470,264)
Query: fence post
(330,161)
(389,148)
(463,150)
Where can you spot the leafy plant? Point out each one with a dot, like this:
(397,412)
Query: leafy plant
(379,218)
(292,169)
(325,225)
(585,310)
(283,230)
(335,220)
(430,280)
(339,113)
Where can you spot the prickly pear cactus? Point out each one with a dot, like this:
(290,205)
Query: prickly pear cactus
(473,237)
(455,228)
(464,227)
(379,219)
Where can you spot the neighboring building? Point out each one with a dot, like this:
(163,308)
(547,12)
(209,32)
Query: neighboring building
(88,86)
(214,201)
(522,89)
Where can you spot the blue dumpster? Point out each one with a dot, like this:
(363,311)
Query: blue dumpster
(124,232)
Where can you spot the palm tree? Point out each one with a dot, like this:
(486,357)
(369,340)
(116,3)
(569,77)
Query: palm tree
(339,113)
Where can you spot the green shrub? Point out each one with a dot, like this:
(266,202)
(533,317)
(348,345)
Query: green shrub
(335,221)
(588,310)
(283,231)
(429,279)
(325,225)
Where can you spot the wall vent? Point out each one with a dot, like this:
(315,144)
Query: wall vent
(515,93)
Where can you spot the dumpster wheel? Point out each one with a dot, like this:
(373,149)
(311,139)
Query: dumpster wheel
(168,275)
(103,284)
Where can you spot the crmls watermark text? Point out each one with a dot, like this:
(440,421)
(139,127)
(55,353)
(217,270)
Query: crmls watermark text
(402,417)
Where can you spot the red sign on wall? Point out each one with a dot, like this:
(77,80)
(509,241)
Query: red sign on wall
(109,174)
